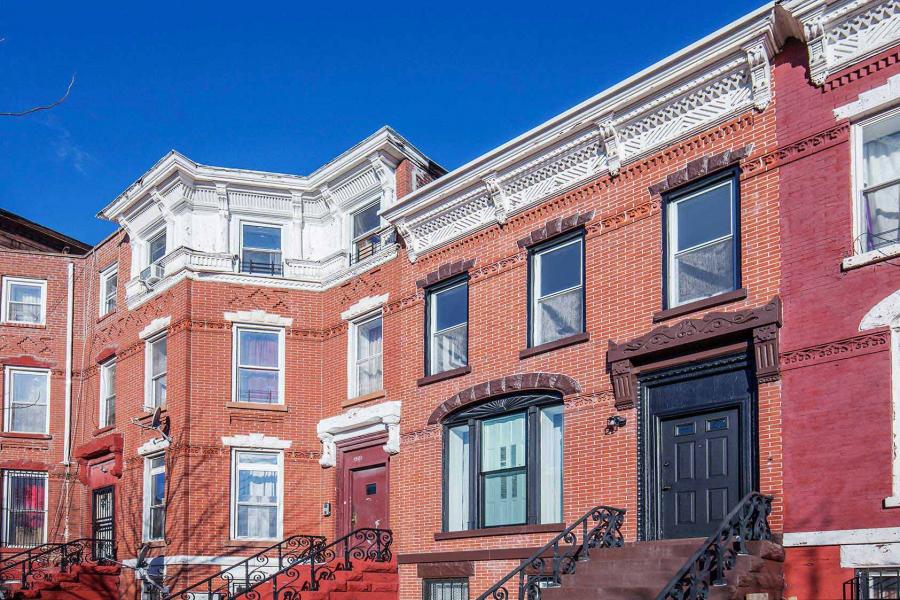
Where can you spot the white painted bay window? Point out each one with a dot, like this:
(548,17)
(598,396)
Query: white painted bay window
(448,327)
(24,300)
(257,491)
(366,356)
(261,249)
(26,400)
(877,175)
(557,290)
(24,516)
(259,365)
(154,497)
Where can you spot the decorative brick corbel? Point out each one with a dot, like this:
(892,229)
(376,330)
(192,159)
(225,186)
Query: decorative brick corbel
(624,384)
(765,348)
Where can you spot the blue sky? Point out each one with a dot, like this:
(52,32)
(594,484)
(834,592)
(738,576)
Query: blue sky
(287,86)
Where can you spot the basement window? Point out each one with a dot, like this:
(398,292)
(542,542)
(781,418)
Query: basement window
(445,589)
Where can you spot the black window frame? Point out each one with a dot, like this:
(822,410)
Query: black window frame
(733,174)
(538,248)
(529,403)
(429,294)
(430,581)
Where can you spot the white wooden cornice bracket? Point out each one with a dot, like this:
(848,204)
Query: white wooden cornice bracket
(498,197)
(609,138)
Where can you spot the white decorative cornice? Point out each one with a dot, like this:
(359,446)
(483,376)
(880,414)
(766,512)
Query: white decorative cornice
(360,421)
(222,198)
(871,101)
(154,327)
(610,139)
(760,75)
(364,306)
(258,317)
(498,197)
(161,204)
(256,441)
(884,314)
(153,446)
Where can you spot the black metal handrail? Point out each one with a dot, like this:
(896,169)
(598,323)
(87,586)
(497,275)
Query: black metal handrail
(560,555)
(35,563)
(236,579)
(748,521)
(366,544)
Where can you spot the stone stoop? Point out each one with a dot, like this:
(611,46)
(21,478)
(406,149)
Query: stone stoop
(366,581)
(81,582)
(641,570)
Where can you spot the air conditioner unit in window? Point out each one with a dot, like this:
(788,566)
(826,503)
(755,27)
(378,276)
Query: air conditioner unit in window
(152,274)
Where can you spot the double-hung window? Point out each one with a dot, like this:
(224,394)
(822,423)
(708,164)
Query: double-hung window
(366,224)
(261,249)
(701,240)
(259,360)
(24,300)
(257,490)
(365,356)
(156,359)
(448,326)
(109,281)
(556,289)
(877,174)
(503,463)
(24,509)
(156,247)
(108,393)
(26,400)
(154,497)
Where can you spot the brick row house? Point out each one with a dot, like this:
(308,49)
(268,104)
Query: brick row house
(659,301)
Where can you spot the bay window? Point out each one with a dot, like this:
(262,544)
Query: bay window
(877,174)
(259,359)
(261,249)
(701,226)
(108,393)
(365,356)
(156,372)
(156,247)
(26,400)
(447,325)
(556,289)
(24,300)
(257,490)
(24,509)
(503,463)
(154,497)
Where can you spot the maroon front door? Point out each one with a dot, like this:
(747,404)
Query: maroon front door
(363,489)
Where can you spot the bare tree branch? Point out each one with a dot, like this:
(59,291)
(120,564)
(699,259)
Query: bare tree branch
(43,107)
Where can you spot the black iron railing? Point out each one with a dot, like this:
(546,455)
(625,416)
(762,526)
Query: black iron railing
(748,521)
(873,584)
(369,545)
(40,562)
(600,527)
(236,579)
(274,268)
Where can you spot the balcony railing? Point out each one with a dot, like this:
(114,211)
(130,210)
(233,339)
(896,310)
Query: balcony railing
(272,269)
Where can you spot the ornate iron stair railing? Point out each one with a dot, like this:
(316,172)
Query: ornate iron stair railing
(239,577)
(748,521)
(366,544)
(560,555)
(36,563)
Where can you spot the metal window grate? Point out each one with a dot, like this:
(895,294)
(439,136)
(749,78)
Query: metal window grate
(873,584)
(24,508)
(445,589)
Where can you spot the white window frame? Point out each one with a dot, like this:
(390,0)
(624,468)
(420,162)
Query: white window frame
(235,360)
(7,397)
(279,490)
(271,225)
(352,362)
(351,235)
(149,471)
(5,509)
(536,265)
(9,281)
(858,198)
(105,276)
(105,391)
(672,208)
(163,231)
(148,370)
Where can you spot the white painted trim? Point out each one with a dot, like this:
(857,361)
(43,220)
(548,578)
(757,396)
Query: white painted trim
(189,559)
(867,556)
(104,368)
(884,314)
(364,306)
(145,515)
(105,275)
(153,446)
(148,370)
(7,397)
(360,421)
(279,490)
(870,257)
(256,441)
(258,317)
(154,327)
(41,283)
(880,535)
(235,354)
(871,101)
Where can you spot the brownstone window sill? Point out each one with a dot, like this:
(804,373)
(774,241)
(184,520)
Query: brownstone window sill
(505,530)
(444,375)
(24,325)
(250,543)
(256,406)
(26,436)
(360,399)
(555,345)
(103,430)
(678,311)
(157,543)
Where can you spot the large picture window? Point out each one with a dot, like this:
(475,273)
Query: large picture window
(157,372)
(261,249)
(877,174)
(256,496)
(556,290)
(448,327)
(258,365)
(366,356)
(701,240)
(503,463)
(26,400)
(24,509)
(24,300)
(154,497)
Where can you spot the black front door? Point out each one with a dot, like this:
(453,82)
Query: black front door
(700,472)
(102,521)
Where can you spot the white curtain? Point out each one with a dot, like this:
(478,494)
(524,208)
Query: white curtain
(368,353)
(551,464)
(882,210)
(29,402)
(257,496)
(458,478)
